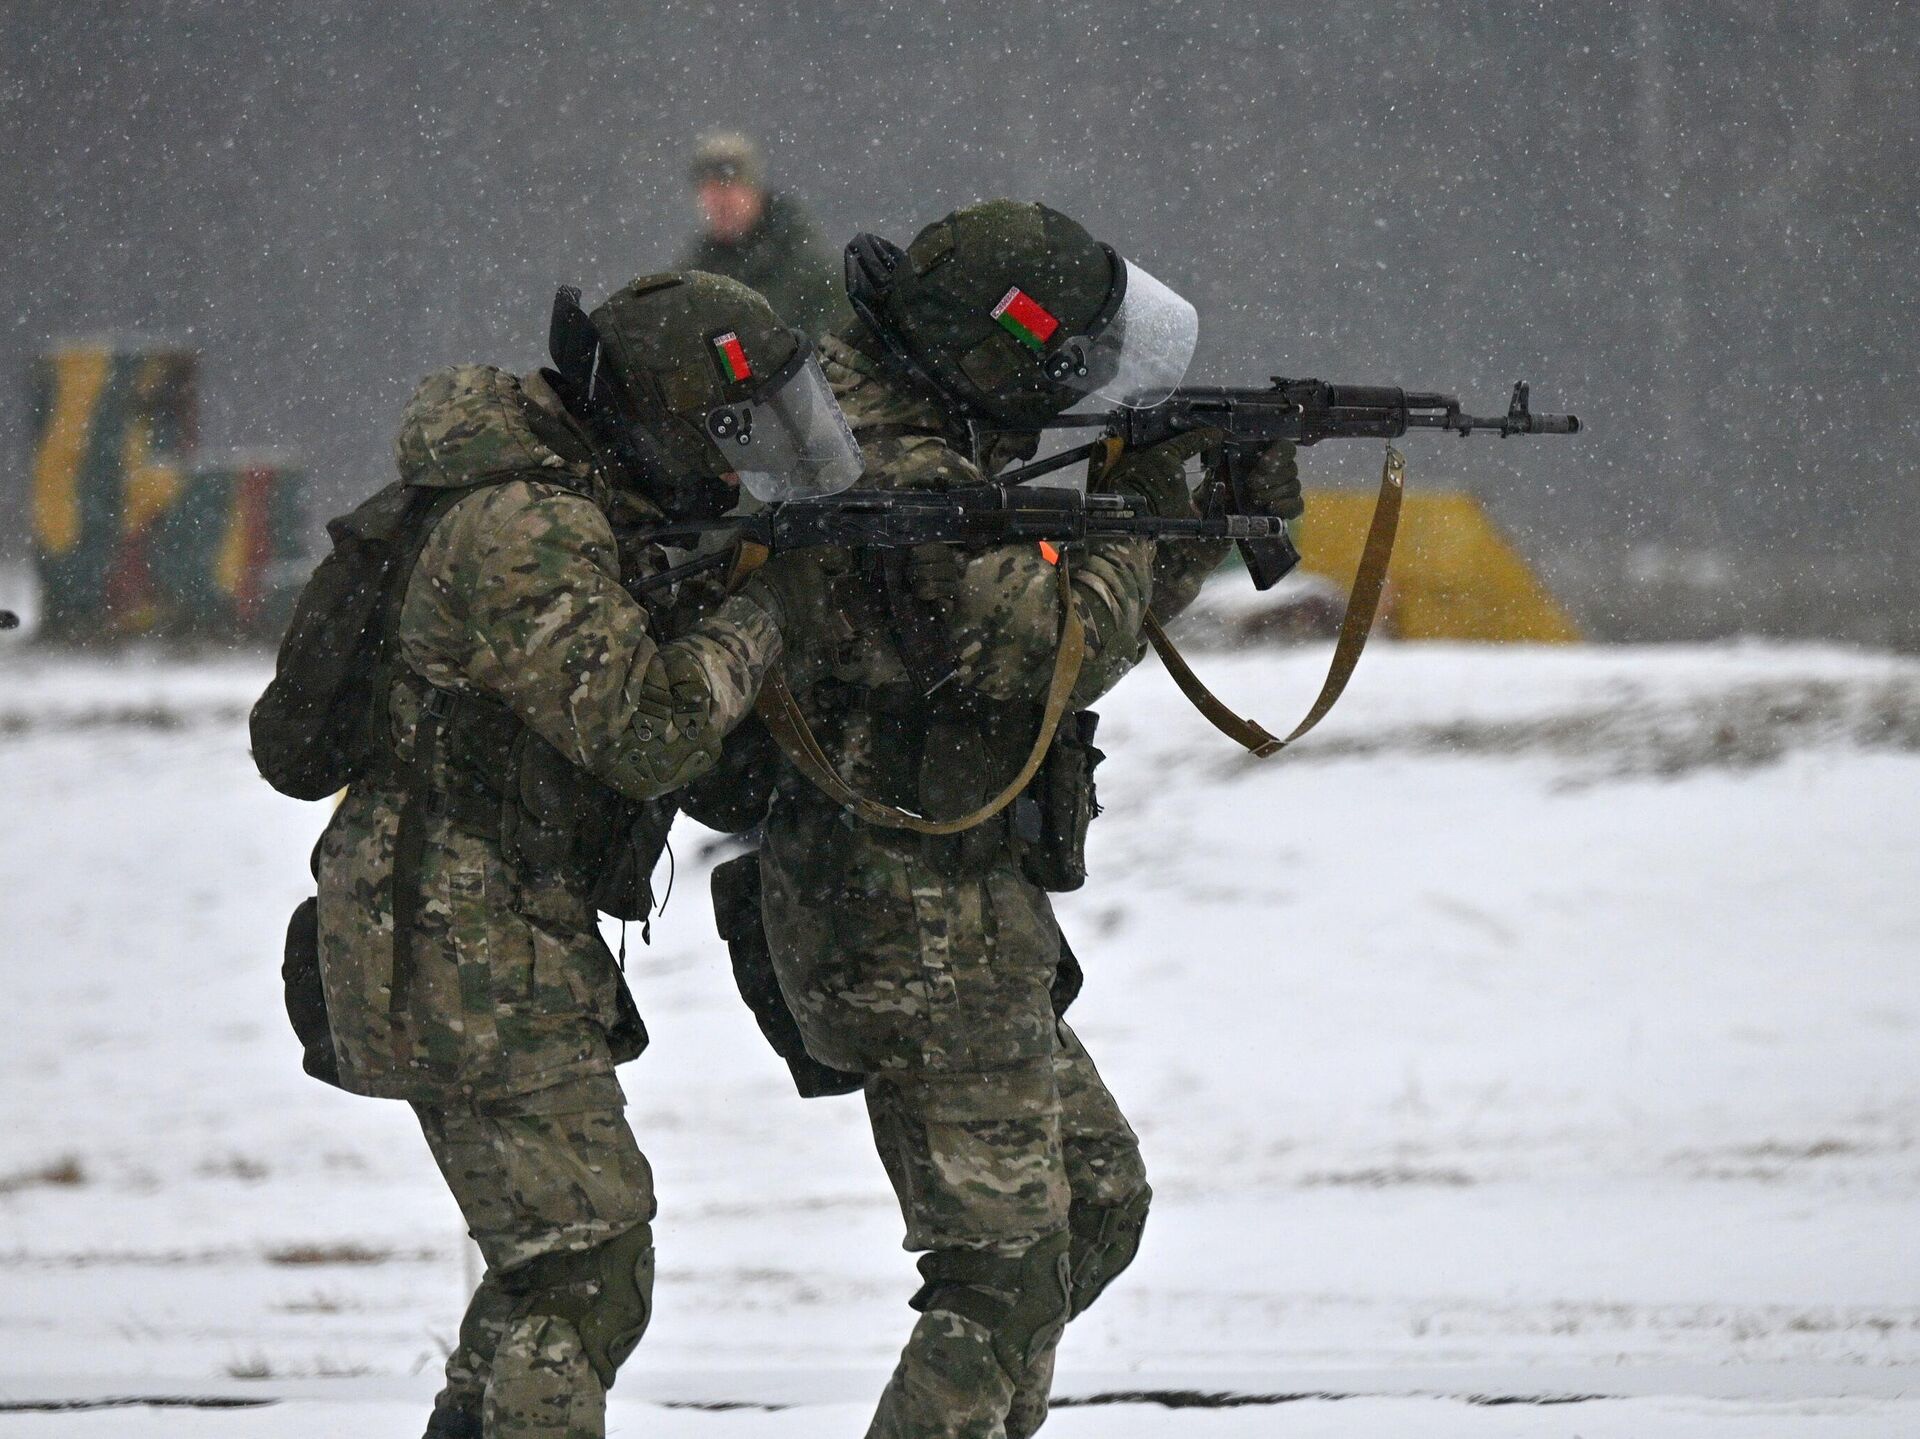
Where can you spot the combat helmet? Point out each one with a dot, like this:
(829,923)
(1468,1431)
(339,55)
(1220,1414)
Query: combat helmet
(1012,313)
(728,156)
(690,379)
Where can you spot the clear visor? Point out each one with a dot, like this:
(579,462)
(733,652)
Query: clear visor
(1144,351)
(790,442)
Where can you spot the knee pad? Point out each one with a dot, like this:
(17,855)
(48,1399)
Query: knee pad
(1019,1299)
(1105,1239)
(605,1293)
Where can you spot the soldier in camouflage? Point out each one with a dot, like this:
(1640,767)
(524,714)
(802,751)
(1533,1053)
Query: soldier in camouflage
(933,964)
(534,712)
(762,237)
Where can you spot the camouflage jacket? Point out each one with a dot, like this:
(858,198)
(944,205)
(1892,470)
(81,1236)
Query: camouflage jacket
(567,702)
(898,950)
(786,259)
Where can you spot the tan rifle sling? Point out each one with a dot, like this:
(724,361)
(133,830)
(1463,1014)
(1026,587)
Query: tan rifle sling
(1363,604)
(781,712)
(784,720)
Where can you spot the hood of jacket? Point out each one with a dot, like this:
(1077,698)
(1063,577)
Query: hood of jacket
(474,423)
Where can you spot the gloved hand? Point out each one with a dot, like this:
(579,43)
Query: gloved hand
(780,587)
(1273,483)
(934,572)
(1157,475)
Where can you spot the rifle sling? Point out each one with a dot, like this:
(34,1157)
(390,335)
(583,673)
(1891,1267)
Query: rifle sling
(1363,604)
(410,849)
(782,715)
(784,720)
(419,801)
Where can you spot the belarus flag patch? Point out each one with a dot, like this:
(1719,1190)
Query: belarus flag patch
(1025,318)
(733,357)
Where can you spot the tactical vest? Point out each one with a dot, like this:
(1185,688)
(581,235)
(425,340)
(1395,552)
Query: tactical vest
(344,708)
(471,760)
(924,742)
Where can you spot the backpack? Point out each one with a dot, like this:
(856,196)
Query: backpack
(313,729)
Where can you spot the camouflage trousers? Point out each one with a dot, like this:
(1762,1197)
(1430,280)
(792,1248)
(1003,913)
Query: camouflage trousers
(531,1185)
(994,1161)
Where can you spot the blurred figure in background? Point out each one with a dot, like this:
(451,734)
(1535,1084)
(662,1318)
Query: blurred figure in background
(763,238)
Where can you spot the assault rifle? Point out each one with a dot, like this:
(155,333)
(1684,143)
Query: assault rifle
(976,515)
(1249,420)
(885,524)
(1303,411)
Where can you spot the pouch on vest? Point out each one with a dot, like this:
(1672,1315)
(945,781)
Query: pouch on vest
(1068,977)
(733,796)
(736,913)
(1050,820)
(306,996)
(624,888)
(627,1037)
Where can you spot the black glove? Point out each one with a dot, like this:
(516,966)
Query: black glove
(1273,484)
(1157,475)
(934,572)
(779,587)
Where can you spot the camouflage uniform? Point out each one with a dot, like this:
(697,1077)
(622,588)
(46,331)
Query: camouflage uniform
(514,1015)
(927,962)
(785,258)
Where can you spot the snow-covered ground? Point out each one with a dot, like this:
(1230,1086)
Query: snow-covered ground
(1543,1027)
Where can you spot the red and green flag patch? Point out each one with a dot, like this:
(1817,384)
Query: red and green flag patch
(733,357)
(1025,318)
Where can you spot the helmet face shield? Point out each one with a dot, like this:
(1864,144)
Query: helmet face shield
(788,440)
(1141,354)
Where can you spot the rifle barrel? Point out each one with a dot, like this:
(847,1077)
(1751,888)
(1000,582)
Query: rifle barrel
(1504,425)
(1205,527)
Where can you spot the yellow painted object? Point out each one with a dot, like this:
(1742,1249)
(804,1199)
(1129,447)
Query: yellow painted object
(78,376)
(113,421)
(1454,575)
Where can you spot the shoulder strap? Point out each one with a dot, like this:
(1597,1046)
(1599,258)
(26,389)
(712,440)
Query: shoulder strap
(1363,604)
(782,715)
(416,778)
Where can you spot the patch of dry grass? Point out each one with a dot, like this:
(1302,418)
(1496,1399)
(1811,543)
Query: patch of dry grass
(1389,1176)
(259,1366)
(66,1172)
(318,1302)
(243,1167)
(313,1255)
